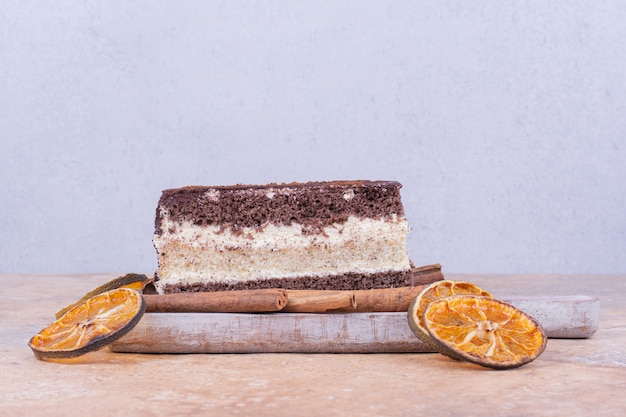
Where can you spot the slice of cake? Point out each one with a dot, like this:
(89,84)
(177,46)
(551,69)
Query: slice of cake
(317,235)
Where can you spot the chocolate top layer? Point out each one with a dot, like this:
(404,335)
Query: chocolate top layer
(315,205)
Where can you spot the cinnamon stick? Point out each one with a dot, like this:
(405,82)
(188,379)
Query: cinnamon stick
(386,299)
(319,301)
(426,274)
(290,301)
(376,300)
(243,301)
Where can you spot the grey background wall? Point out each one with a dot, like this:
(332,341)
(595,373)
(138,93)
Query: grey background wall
(504,120)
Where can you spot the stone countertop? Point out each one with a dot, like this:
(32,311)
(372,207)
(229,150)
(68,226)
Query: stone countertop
(572,377)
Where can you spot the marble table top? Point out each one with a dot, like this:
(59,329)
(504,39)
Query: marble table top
(572,377)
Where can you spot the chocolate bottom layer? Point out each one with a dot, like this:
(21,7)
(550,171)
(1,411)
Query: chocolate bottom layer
(353,281)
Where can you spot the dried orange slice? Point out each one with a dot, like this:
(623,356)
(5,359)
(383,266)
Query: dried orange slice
(132,281)
(484,331)
(435,291)
(91,325)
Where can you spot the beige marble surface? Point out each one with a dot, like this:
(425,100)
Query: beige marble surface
(572,377)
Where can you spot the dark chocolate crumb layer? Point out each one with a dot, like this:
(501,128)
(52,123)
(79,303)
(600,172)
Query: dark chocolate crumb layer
(353,281)
(315,205)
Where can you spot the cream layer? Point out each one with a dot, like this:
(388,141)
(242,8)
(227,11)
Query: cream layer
(191,254)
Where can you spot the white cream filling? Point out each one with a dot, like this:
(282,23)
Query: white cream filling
(191,254)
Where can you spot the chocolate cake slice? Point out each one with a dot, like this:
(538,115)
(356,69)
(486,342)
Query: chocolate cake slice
(316,235)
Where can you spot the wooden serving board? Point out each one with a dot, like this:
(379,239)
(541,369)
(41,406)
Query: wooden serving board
(561,317)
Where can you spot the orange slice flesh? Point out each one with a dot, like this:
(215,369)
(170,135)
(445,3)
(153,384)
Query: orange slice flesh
(484,331)
(433,292)
(91,325)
